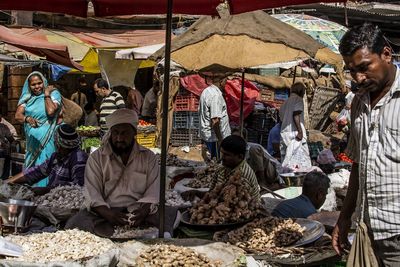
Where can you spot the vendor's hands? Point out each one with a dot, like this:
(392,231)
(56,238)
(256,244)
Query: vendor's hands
(112,216)
(299,136)
(340,242)
(140,214)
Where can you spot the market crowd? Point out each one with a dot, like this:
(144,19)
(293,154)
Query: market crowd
(122,178)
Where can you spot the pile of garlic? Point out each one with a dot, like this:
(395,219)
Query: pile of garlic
(61,246)
(174,199)
(68,196)
(128,232)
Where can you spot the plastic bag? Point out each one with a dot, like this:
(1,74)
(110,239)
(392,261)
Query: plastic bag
(297,156)
(344,117)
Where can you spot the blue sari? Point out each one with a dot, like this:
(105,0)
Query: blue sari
(39,141)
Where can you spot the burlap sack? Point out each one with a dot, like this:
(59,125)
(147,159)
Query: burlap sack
(71,111)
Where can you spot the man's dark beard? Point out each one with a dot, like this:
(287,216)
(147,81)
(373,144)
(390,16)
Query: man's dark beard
(120,151)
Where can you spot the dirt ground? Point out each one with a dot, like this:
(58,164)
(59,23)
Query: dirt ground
(193,154)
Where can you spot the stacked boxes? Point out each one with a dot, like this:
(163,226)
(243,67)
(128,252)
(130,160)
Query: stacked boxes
(185,130)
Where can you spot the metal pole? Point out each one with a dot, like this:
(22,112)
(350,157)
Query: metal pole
(165,105)
(241,121)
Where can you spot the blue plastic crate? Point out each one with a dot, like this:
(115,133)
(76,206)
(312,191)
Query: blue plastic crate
(186,120)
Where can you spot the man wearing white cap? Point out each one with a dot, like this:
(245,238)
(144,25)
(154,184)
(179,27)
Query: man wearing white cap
(121,177)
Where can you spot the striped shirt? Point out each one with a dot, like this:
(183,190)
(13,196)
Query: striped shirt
(375,144)
(247,174)
(109,104)
(69,170)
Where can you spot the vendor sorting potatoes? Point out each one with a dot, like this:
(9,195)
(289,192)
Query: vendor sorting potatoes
(233,152)
(121,177)
(315,189)
(65,166)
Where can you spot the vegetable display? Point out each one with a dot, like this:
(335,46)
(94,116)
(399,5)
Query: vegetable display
(60,246)
(68,196)
(226,203)
(263,235)
(91,142)
(203,177)
(171,256)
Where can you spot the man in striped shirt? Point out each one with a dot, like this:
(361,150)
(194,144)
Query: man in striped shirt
(233,152)
(374,143)
(111,101)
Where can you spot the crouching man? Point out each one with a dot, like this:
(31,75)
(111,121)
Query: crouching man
(121,177)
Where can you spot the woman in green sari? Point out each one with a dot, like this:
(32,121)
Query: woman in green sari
(38,108)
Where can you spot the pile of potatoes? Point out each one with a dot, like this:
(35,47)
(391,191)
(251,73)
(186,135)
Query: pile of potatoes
(171,256)
(203,177)
(226,203)
(265,234)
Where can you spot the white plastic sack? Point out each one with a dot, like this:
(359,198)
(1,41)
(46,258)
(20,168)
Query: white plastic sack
(297,156)
(344,117)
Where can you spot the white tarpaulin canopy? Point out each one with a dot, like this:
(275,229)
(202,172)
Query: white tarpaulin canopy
(138,53)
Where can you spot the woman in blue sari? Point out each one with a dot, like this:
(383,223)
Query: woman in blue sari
(38,109)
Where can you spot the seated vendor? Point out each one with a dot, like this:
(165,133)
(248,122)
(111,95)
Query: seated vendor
(121,177)
(315,189)
(263,164)
(233,151)
(65,166)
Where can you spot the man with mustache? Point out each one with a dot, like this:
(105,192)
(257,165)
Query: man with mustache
(374,144)
(121,177)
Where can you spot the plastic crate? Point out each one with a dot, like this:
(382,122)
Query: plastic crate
(185,137)
(146,139)
(266,95)
(195,137)
(186,120)
(188,102)
(262,122)
(281,95)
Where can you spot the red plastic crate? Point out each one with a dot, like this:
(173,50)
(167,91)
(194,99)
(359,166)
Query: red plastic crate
(188,102)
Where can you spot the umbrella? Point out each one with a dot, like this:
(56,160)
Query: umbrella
(243,41)
(103,8)
(326,32)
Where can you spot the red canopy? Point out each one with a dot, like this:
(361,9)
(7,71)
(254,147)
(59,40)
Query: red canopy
(71,7)
(127,7)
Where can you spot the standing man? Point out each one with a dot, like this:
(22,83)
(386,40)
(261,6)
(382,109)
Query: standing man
(150,101)
(111,101)
(214,120)
(292,126)
(374,143)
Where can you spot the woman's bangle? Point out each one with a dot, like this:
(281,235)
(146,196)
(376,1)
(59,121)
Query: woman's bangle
(47,96)
(26,117)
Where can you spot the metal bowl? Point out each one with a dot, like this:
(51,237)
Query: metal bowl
(12,210)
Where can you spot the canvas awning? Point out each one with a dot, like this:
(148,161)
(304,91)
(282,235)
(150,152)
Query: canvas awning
(138,53)
(81,44)
(53,52)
